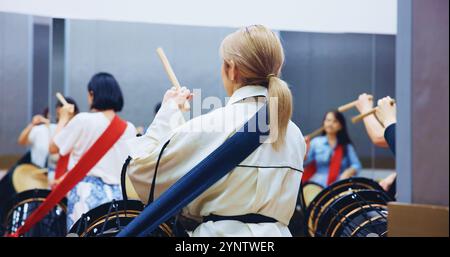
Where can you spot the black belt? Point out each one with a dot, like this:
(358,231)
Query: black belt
(247,218)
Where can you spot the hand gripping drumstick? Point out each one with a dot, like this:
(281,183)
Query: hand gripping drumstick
(342,108)
(363,115)
(61,98)
(63,101)
(170,73)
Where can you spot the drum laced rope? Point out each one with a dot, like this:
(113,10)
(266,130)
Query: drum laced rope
(123,183)
(117,216)
(350,223)
(365,203)
(362,208)
(82,219)
(108,214)
(376,209)
(346,219)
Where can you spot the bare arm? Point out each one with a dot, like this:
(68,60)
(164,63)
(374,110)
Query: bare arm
(23,137)
(66,113)
(375,131)
(373,127)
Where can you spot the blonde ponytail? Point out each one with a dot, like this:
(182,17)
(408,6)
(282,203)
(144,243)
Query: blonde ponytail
(258,55)
(280,110)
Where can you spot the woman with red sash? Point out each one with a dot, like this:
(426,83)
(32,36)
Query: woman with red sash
(331,156)
(74,138)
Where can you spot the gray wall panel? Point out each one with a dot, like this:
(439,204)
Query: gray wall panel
(127,50)
(15,52)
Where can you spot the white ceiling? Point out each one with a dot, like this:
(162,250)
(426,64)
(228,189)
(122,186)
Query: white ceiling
(335,16)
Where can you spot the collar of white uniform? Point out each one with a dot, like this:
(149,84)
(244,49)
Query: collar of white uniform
(246,92)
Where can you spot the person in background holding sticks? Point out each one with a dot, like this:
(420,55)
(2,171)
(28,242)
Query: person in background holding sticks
(38,134)
(102,183)
(331,157)
(382,135)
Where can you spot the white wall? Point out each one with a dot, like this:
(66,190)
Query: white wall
(357,16)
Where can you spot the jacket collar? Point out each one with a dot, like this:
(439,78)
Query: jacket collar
(246,92)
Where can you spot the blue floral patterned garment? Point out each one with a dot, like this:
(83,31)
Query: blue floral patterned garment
(88,194)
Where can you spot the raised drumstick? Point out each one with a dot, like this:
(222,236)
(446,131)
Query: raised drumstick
(315,133)
(348,106)
(61,98)
(342,108)
(170,72)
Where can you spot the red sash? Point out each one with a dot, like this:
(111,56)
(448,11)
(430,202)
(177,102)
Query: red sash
(335,166)
(61,165)
(93,155)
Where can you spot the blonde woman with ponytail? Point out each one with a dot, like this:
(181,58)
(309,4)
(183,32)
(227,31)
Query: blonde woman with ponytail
(258,197)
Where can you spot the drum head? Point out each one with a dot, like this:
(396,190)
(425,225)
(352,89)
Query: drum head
(331,193)
(310,191)
(28,176)
(353,211)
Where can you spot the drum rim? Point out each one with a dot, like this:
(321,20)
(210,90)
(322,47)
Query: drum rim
(132,214)
(366,183)
(379,200)
(99,221)
(28,196)
(62,206)
(40,192)
(136,206)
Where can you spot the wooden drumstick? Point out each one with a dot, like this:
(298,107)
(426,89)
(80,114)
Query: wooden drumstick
(315,132)
(363,115)
(342,108)
(61,98)
(348,106)
(170,72)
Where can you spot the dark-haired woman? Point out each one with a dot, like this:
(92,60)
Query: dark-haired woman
(38,133)
(331,157)
(102,183)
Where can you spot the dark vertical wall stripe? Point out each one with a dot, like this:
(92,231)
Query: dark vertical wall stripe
(430,102)
(40,67)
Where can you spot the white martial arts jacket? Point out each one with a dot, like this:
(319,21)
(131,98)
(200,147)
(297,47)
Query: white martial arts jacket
(266,182)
